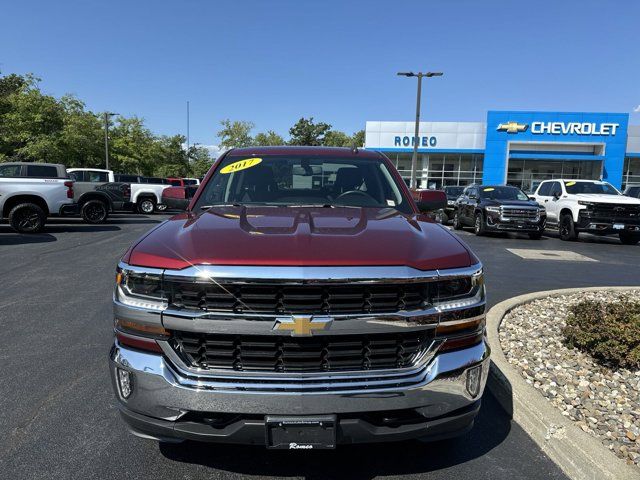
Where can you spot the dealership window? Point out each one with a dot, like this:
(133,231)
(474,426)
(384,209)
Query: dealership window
(631,172)
(436,170)
(528,173)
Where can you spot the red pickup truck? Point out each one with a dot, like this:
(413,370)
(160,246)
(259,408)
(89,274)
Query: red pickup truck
(302,301)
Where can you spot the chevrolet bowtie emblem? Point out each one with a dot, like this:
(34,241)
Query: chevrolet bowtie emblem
(302,325)
(512,127)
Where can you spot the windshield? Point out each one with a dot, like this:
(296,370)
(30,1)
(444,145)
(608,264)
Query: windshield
(303,181)
(598,188)
(502,193)
(453,191)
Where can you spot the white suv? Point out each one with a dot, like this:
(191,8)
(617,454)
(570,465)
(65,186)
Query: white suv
(575,206)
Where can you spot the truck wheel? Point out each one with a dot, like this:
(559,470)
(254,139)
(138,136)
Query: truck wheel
(535,235)
(94,211)
(456,221)
(27,218)
(479,227)
(567,228)
(628,238)
(146,206)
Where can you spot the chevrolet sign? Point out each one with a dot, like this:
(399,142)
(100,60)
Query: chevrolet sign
(574,128)
(512,127)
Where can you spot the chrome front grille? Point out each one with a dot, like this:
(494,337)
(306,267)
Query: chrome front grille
(267,298)
(526,214)
(326,353)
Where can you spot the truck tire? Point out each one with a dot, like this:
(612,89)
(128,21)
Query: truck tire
(146,205)
(567,228)
(94,211)
(629,238)
(478,227)
(456,221)
(27,218)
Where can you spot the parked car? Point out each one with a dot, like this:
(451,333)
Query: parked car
(575,206)
(499,208)
(453,192)
(30,192)
(178,198)
(146,192)
(273,311)
(96,197)
(183,182)
(633,191)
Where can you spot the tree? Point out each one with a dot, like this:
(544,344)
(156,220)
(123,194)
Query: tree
(201,161)
(235,134)
(306,132)
(336,138)
(82,136)
(358,138)
(268,138)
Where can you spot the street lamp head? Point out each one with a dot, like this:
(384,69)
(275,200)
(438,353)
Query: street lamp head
(406,74)
(434,74)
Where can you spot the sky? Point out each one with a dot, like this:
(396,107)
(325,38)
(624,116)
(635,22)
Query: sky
(272,62)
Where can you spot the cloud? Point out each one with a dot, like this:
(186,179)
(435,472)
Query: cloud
(637,109)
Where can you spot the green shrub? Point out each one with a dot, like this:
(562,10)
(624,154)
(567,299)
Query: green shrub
(608,331)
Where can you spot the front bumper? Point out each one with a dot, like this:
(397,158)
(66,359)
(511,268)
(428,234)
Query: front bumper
(497,222)
(588,222)
(168,405)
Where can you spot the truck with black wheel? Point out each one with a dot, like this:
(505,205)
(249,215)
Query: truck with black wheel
(97,195)
(31,192)
(574,206)
(146,192)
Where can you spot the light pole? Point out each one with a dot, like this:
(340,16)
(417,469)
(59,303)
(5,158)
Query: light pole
(106,116)
(414,158)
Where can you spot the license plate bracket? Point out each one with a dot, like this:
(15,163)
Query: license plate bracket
(316,432)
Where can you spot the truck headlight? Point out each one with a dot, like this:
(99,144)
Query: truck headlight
(586,204)
(459,292)
(493,209)
(140,288)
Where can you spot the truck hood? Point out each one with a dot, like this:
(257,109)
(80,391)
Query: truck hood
(596,198)
(300,236)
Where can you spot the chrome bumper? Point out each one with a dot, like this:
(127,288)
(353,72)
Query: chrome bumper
(159,391)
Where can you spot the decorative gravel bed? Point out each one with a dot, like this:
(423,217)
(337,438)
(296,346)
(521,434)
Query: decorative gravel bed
(601,401)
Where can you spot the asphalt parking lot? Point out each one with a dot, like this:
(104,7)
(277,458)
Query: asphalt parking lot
(59,416)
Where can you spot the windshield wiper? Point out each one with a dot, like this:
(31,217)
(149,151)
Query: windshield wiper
(207,207)
(310,205)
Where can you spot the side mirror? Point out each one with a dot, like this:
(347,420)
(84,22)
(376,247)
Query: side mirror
(430,200)
(531,197)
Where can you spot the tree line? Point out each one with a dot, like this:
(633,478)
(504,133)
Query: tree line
(41,128)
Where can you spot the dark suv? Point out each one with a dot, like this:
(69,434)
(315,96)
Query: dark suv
(499,208)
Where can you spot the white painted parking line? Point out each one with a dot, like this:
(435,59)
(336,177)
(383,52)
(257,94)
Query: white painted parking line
(563,255)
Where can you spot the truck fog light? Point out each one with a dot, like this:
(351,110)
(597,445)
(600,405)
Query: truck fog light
(474,376)
(125,383)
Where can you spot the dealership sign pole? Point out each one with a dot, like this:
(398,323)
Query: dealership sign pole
(414,158)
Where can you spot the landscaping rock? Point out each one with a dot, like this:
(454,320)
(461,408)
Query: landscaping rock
(602,401)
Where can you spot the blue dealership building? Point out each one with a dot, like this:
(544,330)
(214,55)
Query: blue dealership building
(514,147)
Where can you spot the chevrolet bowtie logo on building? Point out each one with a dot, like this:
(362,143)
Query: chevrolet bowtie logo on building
(512,127)
(302,325)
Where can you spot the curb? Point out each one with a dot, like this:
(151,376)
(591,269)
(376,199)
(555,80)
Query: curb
(578,454)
